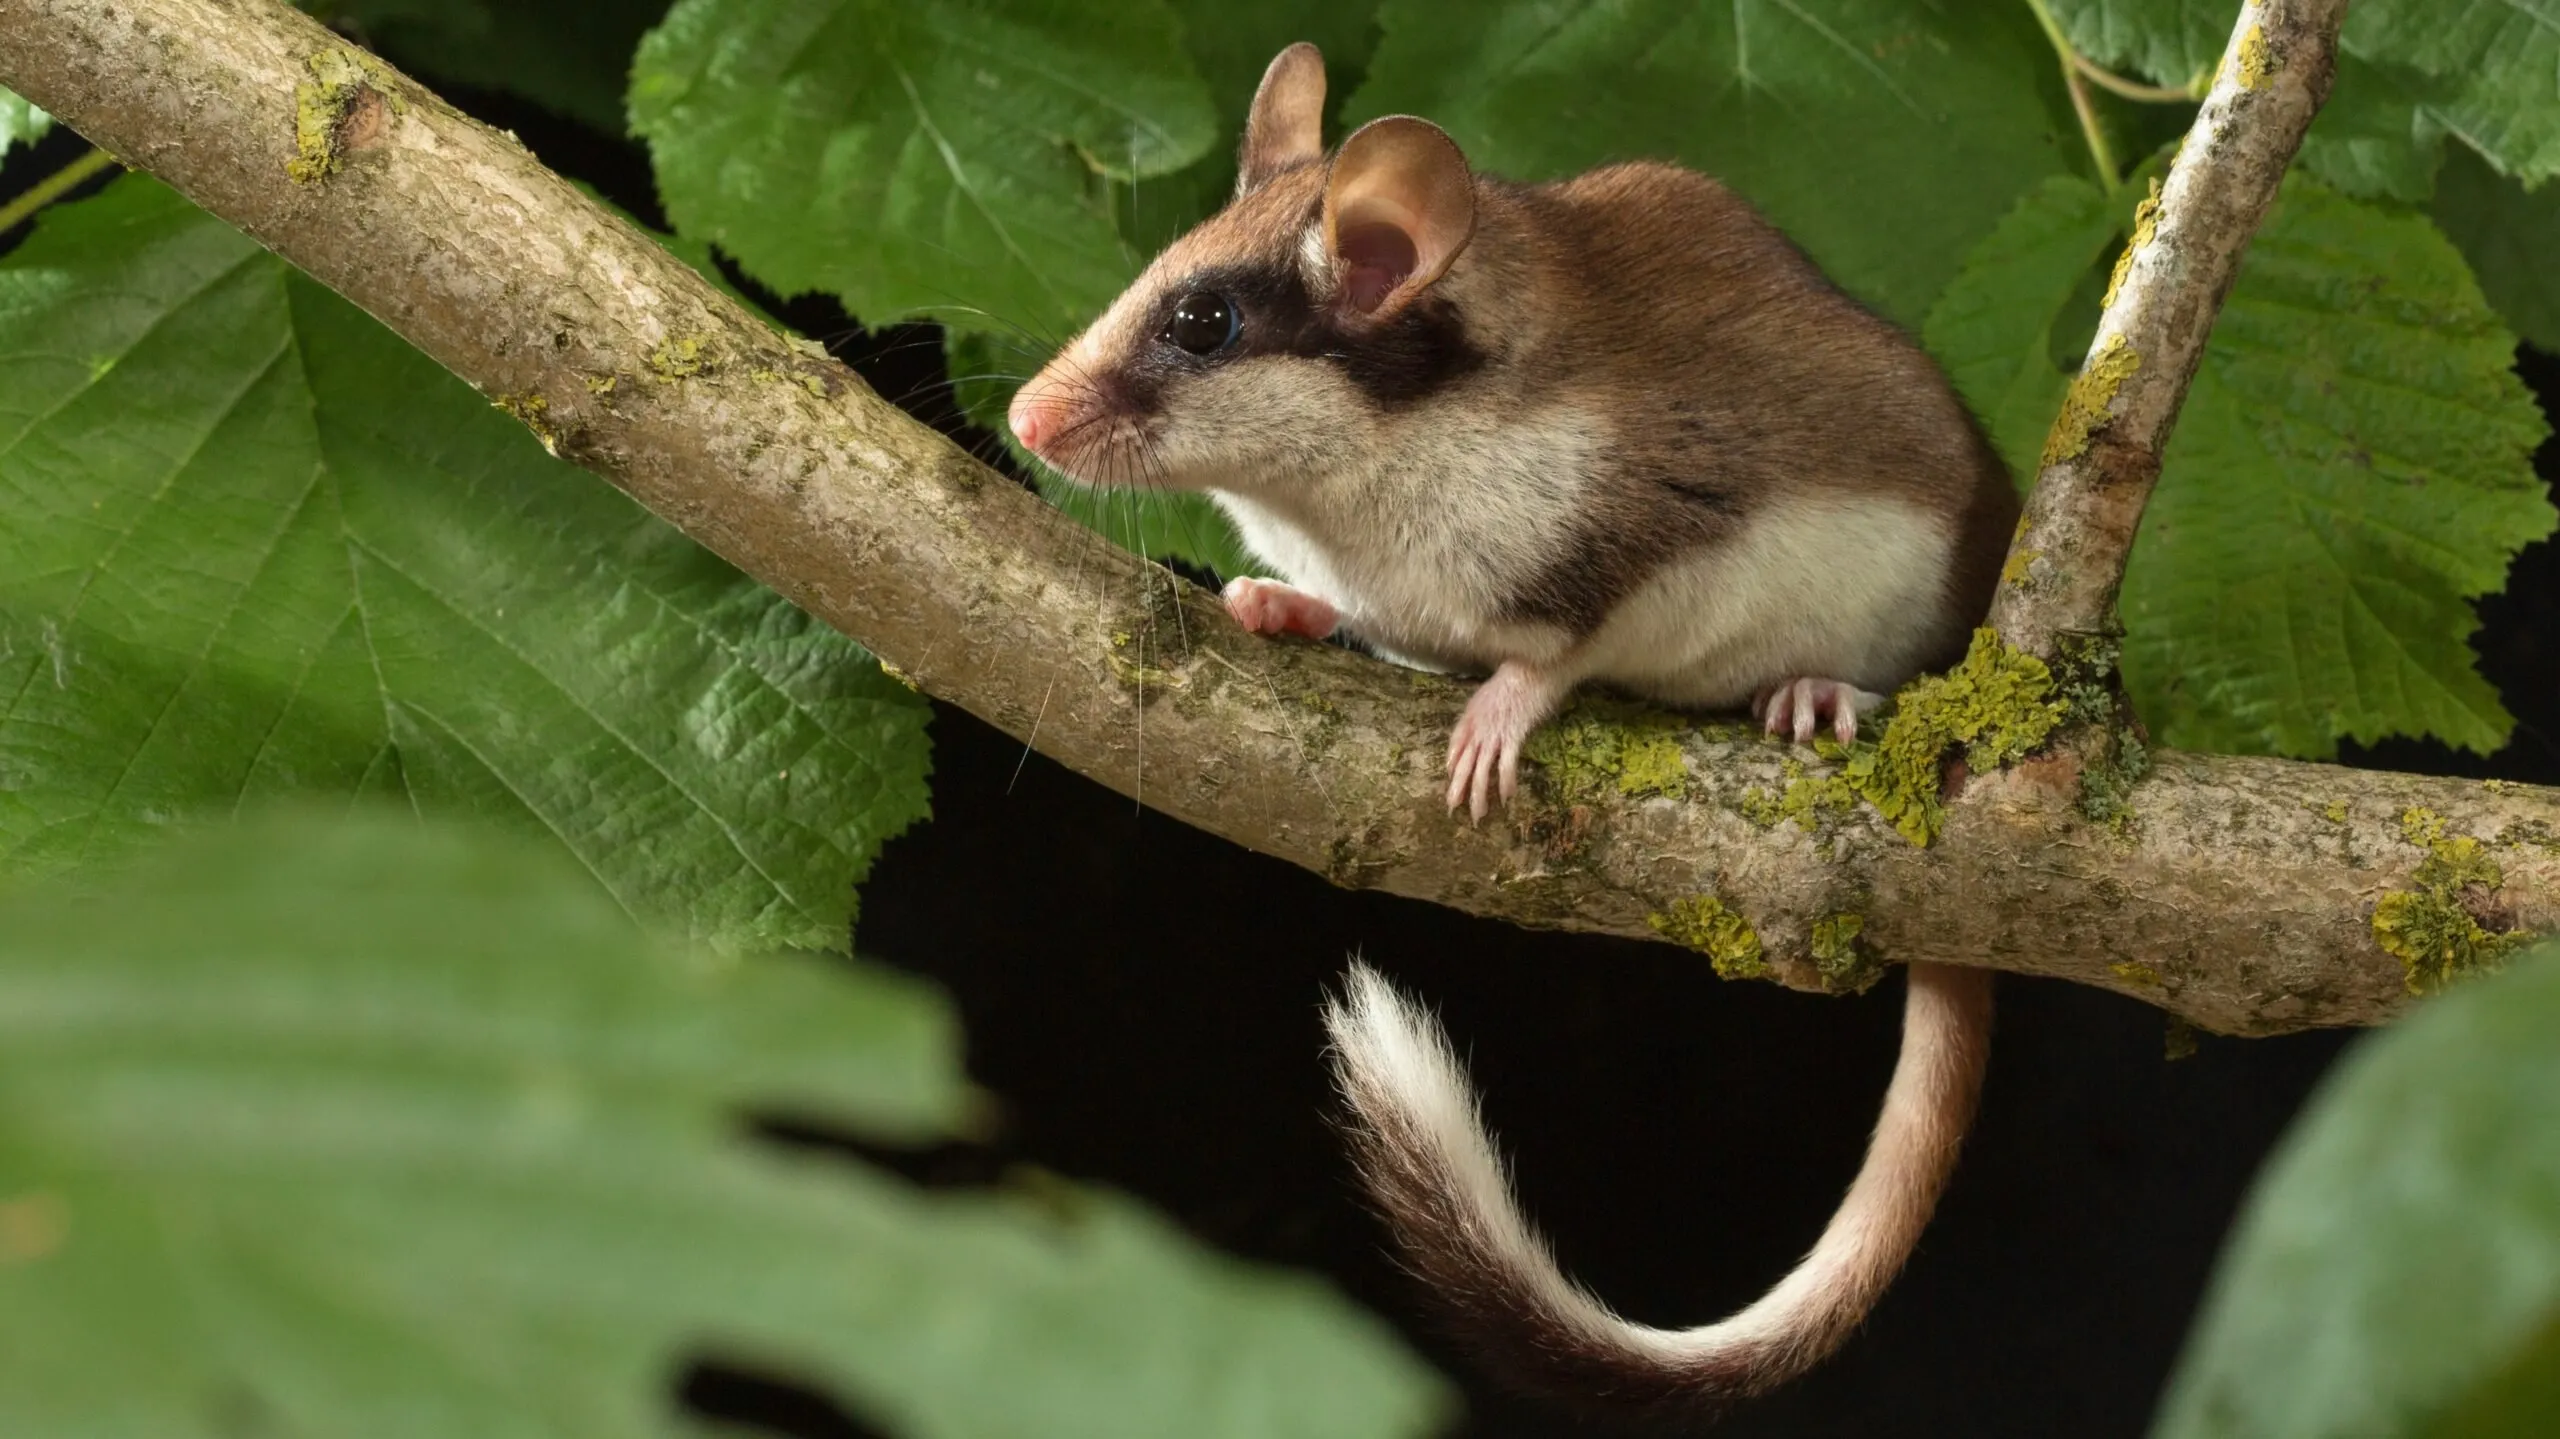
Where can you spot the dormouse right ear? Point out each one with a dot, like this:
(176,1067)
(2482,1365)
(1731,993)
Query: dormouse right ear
(1398,207)
(1286,126)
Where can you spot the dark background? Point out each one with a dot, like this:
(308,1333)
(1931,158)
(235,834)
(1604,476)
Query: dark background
(1143,997)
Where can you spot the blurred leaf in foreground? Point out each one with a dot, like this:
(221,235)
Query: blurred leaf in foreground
(2396,1271)
(372,1128)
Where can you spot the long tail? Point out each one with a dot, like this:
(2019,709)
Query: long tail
(1432,1170)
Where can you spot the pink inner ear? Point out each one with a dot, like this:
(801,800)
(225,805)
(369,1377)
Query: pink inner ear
(1376,258)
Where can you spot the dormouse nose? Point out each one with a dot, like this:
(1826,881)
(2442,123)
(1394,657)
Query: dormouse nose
(1038,415)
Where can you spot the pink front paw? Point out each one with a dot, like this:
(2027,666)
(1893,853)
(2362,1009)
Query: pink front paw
(1484,750)
(1268,607)
(1801,705)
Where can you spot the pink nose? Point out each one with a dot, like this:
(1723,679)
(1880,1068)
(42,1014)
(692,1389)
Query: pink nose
(1036,417)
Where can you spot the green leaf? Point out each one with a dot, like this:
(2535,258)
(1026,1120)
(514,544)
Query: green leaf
(2396,1270)
(21,123)
(2353,465)
(2510,236)
(2497,66)
(572,56)
(920,156)
(1994,326)
(1165,525)
(1886,136)
(364,1128)
(256,545)
(1233,45)
(2167,42)
(2376,136)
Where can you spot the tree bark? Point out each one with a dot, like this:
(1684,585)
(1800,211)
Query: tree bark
(2239,894)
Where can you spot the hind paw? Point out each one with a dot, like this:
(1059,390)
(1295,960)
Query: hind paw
(1798,707)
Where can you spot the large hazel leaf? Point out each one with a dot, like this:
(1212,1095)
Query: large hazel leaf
(251,543)
(2396,1271)
(2497,64)
(374,1129)
(942,157)
(1993,328)
(573,56)
(2351,468)
(2511,236)
(2376,136)
(1232,44)
(1885,136)
(2487,70)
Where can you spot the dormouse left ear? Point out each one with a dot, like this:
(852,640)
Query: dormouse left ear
(1398,208)
(1286,126)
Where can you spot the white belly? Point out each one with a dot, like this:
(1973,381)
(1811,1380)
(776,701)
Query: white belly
(1846,587)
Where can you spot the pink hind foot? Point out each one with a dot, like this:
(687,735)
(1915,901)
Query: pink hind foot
(1484,750)
(1268,607)
(1801,705)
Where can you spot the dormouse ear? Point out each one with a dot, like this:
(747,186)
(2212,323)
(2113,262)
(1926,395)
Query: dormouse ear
(1397,210)
(1286,126)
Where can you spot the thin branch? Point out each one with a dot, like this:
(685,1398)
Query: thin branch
(2104,453)
(2239,894)
(2093,133)
(2075,62)
(52,187)
(2133,90)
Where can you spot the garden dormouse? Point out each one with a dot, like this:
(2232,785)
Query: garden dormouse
(1613,429)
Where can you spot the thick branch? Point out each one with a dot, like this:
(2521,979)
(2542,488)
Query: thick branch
(2239,893)
(2104,452)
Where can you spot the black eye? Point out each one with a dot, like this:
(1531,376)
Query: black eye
(1203,323)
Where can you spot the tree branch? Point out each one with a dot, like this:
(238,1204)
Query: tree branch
(2238,893)
(2103,456)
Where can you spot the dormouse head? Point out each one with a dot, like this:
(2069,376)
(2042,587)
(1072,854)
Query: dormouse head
(1283,328)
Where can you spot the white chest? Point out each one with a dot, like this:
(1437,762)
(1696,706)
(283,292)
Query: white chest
(1421,549)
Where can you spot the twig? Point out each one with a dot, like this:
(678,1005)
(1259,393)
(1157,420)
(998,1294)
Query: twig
(2104,453)
(2133,90)
(51,188)
(2093,133)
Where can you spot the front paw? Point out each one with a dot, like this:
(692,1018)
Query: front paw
(1268,607)
(1484,750)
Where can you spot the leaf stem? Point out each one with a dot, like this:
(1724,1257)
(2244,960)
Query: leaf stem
(2101,154)
(2132,89)
(51,188)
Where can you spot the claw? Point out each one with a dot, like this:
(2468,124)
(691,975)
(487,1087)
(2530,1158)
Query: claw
(1797,707)
(1484,749)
